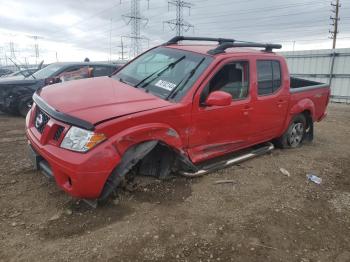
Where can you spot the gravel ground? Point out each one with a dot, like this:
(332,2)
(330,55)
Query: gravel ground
(264,215)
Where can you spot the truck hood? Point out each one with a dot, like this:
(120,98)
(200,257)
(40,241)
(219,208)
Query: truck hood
(97,99)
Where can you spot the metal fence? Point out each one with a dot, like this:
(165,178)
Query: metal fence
(323,66)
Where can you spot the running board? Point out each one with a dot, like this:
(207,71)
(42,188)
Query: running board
(263,149)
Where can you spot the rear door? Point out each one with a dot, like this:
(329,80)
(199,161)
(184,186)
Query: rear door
(271,100)
(217,130)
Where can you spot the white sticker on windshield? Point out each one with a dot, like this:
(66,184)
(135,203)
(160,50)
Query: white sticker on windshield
(165,85)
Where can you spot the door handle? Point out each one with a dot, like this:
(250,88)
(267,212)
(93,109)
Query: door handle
(281,102)
(246,110)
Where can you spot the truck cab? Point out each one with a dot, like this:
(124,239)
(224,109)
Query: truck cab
(172,109)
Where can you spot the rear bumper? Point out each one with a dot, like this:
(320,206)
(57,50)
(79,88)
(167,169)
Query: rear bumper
(80,175)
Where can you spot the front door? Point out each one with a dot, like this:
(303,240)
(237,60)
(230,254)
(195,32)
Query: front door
(217,130)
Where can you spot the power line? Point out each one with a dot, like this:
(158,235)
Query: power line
(257,18)
(267,9)
(87,19)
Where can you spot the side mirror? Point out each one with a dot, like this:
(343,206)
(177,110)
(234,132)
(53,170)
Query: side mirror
(218,98)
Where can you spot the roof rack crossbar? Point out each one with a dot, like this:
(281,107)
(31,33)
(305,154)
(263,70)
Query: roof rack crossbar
(223,46)
(176,39)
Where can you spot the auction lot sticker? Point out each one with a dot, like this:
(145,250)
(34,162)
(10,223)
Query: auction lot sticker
(165,85)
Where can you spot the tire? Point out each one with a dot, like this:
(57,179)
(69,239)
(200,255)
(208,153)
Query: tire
(24,106)
(130,158)
(295,133)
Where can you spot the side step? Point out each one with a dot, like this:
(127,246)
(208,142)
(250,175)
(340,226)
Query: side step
(205,169)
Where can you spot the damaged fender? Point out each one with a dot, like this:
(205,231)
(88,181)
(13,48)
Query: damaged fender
(134,144)
(138,134)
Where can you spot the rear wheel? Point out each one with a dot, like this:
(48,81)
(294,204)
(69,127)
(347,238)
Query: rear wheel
(295,133)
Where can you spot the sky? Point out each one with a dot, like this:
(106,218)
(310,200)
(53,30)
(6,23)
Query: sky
(70,30)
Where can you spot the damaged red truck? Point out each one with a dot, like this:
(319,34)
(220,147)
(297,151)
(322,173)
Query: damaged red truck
(176,108)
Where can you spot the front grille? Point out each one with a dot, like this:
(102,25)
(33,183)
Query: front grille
(58,133)
(40,120)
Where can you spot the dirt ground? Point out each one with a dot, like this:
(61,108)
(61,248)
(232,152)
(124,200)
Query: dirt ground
(264,215)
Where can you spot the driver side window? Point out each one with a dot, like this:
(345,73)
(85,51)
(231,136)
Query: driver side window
(233,78)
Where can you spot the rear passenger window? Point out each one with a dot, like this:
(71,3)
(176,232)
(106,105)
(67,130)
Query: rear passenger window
(269,77)
(276,71)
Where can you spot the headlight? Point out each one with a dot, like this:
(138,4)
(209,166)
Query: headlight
(81,140)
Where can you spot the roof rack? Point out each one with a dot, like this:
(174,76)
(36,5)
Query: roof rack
(222,47)
(176,39)
(224,43)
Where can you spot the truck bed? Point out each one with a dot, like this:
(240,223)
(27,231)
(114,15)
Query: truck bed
(302,91)
(300,85)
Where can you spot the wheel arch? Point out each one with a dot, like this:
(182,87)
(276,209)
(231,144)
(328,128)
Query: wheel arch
(146,132)
(305,107)
(135,143)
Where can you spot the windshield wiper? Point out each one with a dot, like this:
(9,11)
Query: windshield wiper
(184,81)
(125,82)
(159,72)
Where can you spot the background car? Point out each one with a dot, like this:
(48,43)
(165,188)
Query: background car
(5,71)
(16,94)
(22,73)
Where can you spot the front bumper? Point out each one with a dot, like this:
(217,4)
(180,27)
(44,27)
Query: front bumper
(81,175)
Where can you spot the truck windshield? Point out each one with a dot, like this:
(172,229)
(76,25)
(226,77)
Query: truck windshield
(165,72)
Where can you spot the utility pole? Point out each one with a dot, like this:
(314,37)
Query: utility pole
(334,32)
(135,19)
(179,24)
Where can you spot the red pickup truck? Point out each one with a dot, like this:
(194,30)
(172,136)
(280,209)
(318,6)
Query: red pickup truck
(175,108)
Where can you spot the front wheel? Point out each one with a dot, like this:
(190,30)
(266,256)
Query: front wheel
(24,106)
(295,133)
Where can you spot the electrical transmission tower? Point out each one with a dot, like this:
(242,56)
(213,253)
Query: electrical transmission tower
(122,47)
(179,24)
(334,32)
(135,19)
(12,50)
(36,47)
